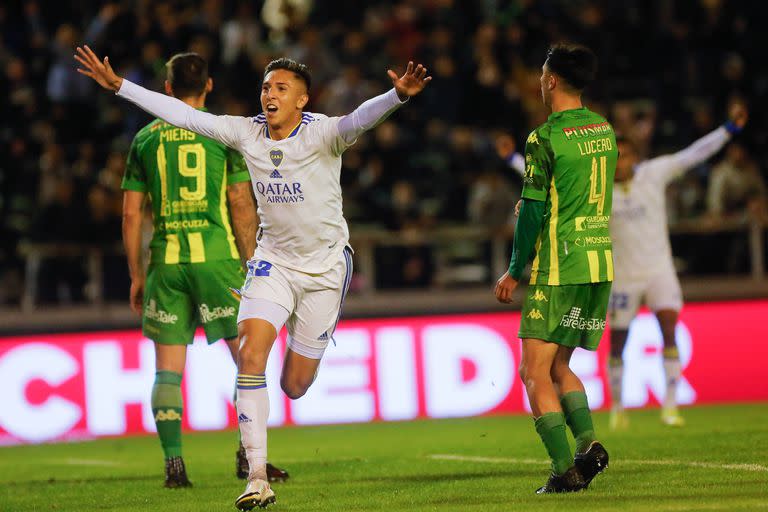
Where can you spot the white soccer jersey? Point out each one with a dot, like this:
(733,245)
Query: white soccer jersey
(295,180)
(296,184)
(639,215)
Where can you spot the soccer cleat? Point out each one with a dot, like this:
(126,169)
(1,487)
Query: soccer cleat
(592,462)
(274,474)
(619,420)
(257,494)
(670,416)
(176,473)
(570,481)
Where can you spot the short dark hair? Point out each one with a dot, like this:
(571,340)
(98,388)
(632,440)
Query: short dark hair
(574,63)
(299,69)
(188,74)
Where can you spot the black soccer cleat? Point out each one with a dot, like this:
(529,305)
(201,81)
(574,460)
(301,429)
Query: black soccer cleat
(570,481)
(241,464)
(592,462)
(176,473)
(274,474)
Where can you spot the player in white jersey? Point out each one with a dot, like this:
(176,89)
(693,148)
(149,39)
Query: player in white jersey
(302,266)
(643,267)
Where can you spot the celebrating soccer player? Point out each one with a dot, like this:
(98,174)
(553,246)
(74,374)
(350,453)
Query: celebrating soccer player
(570,162)
(302,265)
(194,183)
(644,268)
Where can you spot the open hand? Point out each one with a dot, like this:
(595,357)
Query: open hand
(504,288)
(100,71)
(411,83)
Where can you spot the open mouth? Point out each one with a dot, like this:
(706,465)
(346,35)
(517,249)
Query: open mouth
(271,109)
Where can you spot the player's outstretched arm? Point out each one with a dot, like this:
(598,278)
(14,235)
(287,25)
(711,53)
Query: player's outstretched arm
(675,165)
(375,110)
(167,108)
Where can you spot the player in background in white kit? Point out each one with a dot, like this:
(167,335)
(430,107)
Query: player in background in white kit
(643,267)
(302,266)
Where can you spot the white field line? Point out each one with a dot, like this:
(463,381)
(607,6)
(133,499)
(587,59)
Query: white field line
(663,462)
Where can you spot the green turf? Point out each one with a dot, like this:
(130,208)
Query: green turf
(388,466)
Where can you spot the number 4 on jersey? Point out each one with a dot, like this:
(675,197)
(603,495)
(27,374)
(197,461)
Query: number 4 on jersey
(597,184)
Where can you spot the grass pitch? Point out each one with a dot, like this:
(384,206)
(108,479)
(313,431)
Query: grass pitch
(719,461)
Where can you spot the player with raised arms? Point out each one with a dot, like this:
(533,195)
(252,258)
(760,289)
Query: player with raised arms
(644,267)
(302,265)
(195,184)
(570,162)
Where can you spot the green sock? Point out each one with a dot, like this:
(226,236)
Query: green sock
(579,418)
(551,428)
(167,407)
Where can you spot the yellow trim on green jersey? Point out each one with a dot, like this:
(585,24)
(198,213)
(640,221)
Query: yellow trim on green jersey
(172,249)
(609,263)
(594,266)
(535,264)
(162,167)
(554,263)
(196,247)
(224,210)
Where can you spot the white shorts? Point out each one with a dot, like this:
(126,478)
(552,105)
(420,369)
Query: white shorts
(659,291)
(309,304)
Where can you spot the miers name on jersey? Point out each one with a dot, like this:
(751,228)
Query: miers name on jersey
(176,134)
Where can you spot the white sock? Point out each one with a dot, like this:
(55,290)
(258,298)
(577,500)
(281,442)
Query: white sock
(672,372)
(252,414)
(615,379)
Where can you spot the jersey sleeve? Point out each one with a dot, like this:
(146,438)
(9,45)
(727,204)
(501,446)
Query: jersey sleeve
(666,168)
(326,130)
(539,162)
(229,130)
(237,171)
(134,178)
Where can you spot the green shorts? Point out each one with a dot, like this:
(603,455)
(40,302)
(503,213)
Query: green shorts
(179,297)
(569,315)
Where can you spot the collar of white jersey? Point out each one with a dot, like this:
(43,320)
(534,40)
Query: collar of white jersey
(305,119)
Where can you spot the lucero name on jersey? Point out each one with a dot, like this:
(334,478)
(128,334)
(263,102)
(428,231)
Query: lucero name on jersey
(280,193)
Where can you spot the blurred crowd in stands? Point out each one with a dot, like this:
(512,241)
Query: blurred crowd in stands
(668,69)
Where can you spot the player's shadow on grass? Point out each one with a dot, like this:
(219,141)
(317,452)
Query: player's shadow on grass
(88,480)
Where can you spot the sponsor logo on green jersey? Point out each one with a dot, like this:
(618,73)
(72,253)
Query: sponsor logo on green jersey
(158,315)
(574,320)
(208,315)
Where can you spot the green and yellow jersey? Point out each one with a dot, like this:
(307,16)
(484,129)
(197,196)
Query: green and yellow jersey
(186,176)
(570,163)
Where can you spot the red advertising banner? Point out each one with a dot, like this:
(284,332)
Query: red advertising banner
(64,386)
